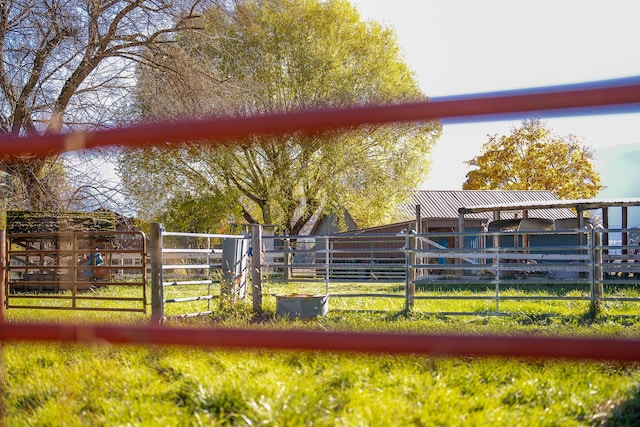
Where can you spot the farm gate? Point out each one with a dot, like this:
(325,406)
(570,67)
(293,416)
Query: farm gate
(194,269)
(97,270)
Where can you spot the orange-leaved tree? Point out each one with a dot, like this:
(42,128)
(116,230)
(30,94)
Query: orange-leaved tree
(533,157)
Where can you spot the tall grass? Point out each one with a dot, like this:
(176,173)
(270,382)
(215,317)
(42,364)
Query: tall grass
(76,386)
(106,385)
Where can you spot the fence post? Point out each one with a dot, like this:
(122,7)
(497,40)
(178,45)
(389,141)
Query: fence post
(256,267)
(157,296)
(3,265)
(327,270)
(418,245)
(410,245)
(208,273)
(597,276)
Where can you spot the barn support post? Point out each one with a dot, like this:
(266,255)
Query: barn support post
(256,267)
(157,295)
(525,236)
(580,224)
(3,265)
(625,231)
(327,264)
(459,242)
(605,225)
(496,260)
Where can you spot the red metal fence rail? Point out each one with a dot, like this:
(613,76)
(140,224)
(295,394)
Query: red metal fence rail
(365,342)
(219,130)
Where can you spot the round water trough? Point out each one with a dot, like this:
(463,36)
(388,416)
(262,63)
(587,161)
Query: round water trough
(302,306)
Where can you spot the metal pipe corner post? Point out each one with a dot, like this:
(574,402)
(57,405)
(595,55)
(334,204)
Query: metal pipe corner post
(287,258)
(157,295)
(256,267)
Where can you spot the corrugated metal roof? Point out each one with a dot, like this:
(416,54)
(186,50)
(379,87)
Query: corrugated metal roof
(446,204)
(578,204)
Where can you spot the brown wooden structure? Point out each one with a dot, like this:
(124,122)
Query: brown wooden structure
(46,267)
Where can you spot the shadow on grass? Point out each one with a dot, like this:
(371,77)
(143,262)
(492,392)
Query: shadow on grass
(625,413)
(548,286)
(558,289)
(519,318)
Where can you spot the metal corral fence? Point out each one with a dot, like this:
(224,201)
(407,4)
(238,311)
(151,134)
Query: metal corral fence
(56,270)
(482,266)
(488,267)
(197,268)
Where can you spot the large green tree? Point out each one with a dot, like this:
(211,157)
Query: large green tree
(67,64)
(264,56)
(533,157)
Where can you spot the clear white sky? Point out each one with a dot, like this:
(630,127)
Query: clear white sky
(473,46)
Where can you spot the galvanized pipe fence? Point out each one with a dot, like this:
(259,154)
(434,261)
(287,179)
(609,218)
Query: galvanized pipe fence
(568,259)
(490,267)
(193,269)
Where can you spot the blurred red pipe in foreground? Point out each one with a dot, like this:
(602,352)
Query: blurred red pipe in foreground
(220,130)
(366,342)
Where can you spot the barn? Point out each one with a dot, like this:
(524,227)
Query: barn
(438,211)
(429,212)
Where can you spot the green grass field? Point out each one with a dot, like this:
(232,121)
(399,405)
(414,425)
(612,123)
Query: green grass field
(107,385)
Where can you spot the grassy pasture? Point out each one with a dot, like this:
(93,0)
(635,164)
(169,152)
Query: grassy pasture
(106,385)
